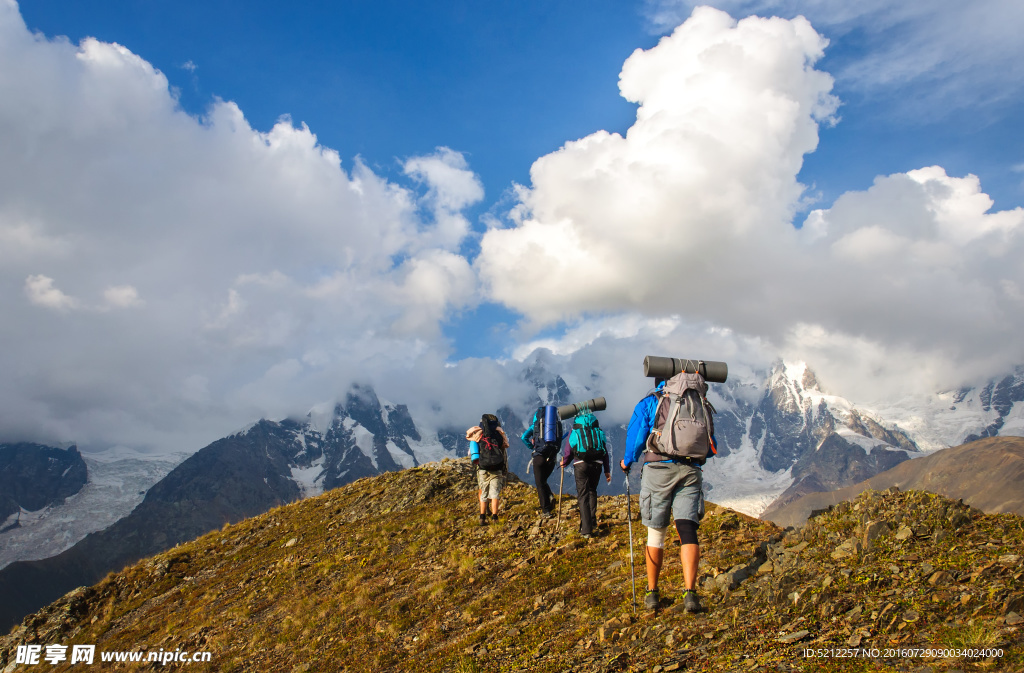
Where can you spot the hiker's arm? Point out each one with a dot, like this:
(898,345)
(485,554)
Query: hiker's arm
(636,434)
(526,436)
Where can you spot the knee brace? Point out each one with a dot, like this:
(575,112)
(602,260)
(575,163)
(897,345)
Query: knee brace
(687,531)
(656,537)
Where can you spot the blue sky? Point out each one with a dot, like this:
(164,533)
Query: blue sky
(263,280)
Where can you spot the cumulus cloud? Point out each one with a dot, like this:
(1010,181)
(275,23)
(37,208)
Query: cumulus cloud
(691,214)
(922,282)
(695,193)
(196,273)
(958,53)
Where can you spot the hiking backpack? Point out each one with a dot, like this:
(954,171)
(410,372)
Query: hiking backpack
(683,426)
(587,438)
(547,431)
(492,453)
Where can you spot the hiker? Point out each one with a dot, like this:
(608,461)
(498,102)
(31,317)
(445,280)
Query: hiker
(488,449)
(542,438)
(587,449)
(671,481)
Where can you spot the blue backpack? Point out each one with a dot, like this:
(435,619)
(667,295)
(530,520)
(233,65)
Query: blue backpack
(587,438)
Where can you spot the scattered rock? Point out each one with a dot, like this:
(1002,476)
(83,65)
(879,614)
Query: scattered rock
(874,530)
(793,637)
(959,520)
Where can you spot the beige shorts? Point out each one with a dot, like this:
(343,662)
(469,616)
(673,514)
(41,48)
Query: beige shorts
(490,484)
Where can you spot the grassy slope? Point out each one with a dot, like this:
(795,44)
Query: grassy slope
(393,573)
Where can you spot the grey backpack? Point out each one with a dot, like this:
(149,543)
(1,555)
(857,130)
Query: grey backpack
(683,426)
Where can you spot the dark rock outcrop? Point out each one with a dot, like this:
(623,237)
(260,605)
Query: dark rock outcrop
(33,476)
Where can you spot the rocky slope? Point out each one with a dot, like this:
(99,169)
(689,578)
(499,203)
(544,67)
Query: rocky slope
(987,474)
(393,573)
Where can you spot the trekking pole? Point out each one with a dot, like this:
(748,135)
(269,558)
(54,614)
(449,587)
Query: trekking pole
(561,478)
(629,520)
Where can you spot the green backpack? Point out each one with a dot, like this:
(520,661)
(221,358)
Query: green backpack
(587,438)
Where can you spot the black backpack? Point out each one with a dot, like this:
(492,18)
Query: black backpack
(492,453)
(546,449)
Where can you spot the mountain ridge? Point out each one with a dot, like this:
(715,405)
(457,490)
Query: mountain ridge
(392,572)
(986,473)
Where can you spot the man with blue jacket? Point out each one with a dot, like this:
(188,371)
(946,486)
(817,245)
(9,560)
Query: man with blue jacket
(671,489)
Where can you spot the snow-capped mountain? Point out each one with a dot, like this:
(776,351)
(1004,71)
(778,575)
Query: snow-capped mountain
(33,476)
(794,438)
(785,436)
(356,438)
(109,485)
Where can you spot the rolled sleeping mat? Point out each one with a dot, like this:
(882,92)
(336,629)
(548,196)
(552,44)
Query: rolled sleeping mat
(551,423)
(570,410)
(666,368)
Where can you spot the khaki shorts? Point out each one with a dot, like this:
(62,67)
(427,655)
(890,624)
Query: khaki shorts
(490,484)
(671,491)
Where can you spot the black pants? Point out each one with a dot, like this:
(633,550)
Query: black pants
(587,477)
(542,469)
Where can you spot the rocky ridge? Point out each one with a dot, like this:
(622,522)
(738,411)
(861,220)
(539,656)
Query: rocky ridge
(393,571)
(987,474)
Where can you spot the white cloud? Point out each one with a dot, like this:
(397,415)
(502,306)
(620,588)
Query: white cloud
(451,188)
(122,296)
(699,187)
(959,53)
(690,215)
(184,260)
(41,292)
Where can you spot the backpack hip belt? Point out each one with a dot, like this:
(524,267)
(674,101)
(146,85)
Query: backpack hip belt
(655,457)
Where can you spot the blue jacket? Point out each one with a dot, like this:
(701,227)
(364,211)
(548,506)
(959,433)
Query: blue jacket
(640,425)
(527,435)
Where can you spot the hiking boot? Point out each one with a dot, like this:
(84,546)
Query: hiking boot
(690,601)
(548,514)
(651,599)
(494,518)
(483,519)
